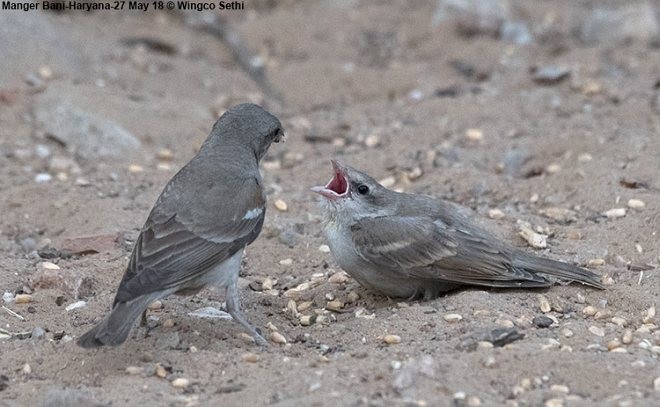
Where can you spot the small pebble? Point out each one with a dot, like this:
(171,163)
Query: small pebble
(277,338)
(324,248)
(286,262)
(495,214)
(567,333)
(554,402)
(392,339)
(168,323)
(452,317)
(307,320)
(656,384)
(560,388)
(38,333)
(280,205)
(180,383)
(585,157)
(22,298)
(473,401)
(352,297)
(615,213)
(542,321)
(598,331)
(27,369)
(553,168)
(334,305)
(636,204)
(248,339)
(155,306)
(619,321)
(250,357)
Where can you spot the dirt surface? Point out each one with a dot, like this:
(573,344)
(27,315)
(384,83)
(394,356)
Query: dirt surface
(393,88)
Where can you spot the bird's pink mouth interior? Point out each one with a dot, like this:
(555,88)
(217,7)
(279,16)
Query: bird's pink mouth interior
(337,187)
(338,184)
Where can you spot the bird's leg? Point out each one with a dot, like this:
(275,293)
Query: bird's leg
(234,309)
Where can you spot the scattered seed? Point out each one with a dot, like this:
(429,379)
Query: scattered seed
(168,323)
(352,297)
(392,339)
(307,320)
(636,204)
(474,135)
(250,357)
(248,339)
(648,318)
(560,388)
(329,296)
(505,323)
(585,157)
(554,402)
(22,298)
(452,317)
(534,239)
(271,326)
(165,154)
(277,338)
(595,262)
(338,278)
(160,371)
(589,311)
(155,306)
(656,384)
(495,214)
(372,140)
(544,304)
(134,370)
(574,235)
(334,305)
(180,383)
(49,266)
(619,321)
(627,337)
(135,168)
(324,248)
(388,182)
(615,213)
(553,168)
(280,205)
(304,306)
(473,401)
(567,333)
(75,305)
(613,344)
(596,330)
(268,284)
(27,369)
(286,262)
(602,314)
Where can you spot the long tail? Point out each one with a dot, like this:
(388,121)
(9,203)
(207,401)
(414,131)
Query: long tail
(116,326)
(560,269)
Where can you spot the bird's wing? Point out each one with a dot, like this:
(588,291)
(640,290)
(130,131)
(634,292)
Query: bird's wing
(176,246)
(403,242)
(426,247)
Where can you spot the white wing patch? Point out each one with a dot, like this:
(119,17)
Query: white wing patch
(253,213)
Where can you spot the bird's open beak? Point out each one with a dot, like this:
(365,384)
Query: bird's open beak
(337,187)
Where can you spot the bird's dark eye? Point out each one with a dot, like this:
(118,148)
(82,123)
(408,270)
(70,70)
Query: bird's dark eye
(362,189)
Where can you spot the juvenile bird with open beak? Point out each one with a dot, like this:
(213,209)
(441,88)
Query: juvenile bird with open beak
(414,246)
(199,226)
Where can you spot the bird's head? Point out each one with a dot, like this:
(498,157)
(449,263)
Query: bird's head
(352,194)
(252,122)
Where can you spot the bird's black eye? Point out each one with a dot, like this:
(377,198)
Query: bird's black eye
(362,189)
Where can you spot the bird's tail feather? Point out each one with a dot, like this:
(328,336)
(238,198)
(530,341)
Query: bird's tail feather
(558,269)
(116,326)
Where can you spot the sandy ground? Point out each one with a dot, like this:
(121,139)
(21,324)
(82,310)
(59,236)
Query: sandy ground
(382,88)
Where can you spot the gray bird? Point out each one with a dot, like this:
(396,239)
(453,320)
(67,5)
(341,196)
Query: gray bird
(199,226)
(415,246)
